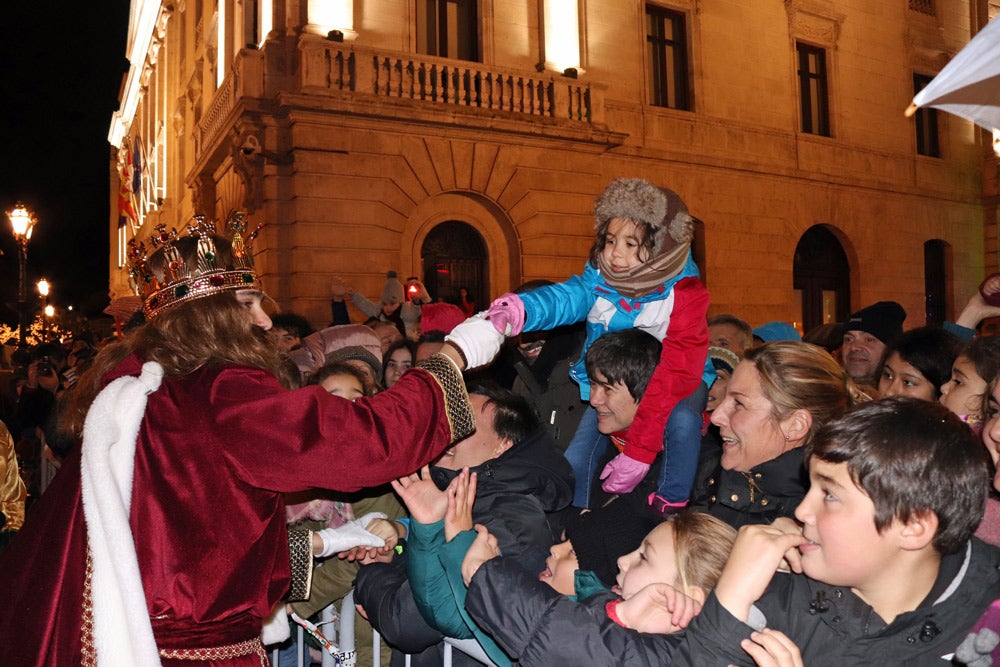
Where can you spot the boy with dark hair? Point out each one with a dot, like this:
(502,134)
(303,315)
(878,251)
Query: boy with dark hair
(885,566)
(619,365)
(627,357)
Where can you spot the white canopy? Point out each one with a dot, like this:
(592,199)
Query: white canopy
(969,85)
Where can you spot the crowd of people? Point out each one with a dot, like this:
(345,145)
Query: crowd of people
(586,472)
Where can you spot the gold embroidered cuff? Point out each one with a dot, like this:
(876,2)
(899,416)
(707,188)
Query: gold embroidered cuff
(456,399)
(301,559)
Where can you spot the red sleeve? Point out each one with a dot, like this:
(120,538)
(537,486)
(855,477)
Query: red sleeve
(307,438)
(682,363)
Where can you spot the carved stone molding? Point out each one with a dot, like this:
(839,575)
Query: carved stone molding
(203,194)
(814,22)
(247,164)
(926,50)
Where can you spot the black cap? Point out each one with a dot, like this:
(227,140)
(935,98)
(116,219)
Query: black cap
(884,320)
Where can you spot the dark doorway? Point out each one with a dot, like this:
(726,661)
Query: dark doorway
(454,256)
(822,278)
(937,267)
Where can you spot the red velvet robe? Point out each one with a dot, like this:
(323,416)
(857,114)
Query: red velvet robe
(216,451)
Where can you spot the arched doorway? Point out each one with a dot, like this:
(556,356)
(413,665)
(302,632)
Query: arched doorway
(453,255)
(937,274)
(822,278)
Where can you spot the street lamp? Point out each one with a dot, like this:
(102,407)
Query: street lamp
(22,222)
(43,292)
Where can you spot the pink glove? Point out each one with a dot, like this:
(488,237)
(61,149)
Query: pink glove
(507,314)
(622,474)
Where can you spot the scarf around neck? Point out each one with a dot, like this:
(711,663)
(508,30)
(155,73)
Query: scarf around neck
(646,277)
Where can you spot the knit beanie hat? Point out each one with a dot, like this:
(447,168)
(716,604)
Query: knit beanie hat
(775,331)
(440,317)
(884,320)
(392,292)
(602,536)
(723,359)
(358,353)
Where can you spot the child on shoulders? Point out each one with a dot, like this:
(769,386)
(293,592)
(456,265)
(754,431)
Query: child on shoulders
(640,275)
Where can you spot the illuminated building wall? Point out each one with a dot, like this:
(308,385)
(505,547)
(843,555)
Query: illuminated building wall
(362,131)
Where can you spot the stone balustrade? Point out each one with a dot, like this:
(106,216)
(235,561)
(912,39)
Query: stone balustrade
(344,67)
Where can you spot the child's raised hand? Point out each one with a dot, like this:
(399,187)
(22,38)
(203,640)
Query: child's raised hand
(427,503)
(461,497)
(339,289)
(658,608)
(507,314)
(792,561)
(386,530)
(772,648)
(756,555)
(483,548)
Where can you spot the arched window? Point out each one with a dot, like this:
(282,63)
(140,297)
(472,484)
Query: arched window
(822,278)
(454,256)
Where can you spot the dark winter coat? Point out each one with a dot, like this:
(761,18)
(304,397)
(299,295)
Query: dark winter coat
(771,490)
(547,386)
(535,625)
(514,493)
(526,482)
(833,626)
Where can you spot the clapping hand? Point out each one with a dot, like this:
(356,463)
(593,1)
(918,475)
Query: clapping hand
(484,548)
(461,496)
(427,503)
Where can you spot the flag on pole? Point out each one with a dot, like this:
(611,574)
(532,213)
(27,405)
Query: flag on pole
(126,210)
(137,166)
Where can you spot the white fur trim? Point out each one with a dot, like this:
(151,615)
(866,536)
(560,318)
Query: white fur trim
(123,634)
(276,628)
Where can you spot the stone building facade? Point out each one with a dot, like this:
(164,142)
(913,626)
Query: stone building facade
(464,141)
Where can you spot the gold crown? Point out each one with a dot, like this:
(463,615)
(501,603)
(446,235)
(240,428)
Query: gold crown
(203,275)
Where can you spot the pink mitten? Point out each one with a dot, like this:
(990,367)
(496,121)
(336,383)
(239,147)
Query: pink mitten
(507,314)
(622,474)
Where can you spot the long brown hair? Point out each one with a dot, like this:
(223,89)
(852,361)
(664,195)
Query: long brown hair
(208,331)
(801,376)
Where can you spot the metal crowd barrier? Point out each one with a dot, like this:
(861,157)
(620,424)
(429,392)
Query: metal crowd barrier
(339,629)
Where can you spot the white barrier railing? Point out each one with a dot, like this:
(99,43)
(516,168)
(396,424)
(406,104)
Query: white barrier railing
(343,636)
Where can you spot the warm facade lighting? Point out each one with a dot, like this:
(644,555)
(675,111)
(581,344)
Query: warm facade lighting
(220,45)
(562,35)
(326,16)
(266,20)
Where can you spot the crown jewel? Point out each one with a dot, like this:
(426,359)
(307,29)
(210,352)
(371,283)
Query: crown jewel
(200,275)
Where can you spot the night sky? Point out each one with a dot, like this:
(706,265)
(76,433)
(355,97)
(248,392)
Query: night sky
(61,68)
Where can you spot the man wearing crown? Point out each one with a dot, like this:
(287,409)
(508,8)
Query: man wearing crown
(163,540)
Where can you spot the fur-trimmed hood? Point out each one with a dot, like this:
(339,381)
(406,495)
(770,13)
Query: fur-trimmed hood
(638,199)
